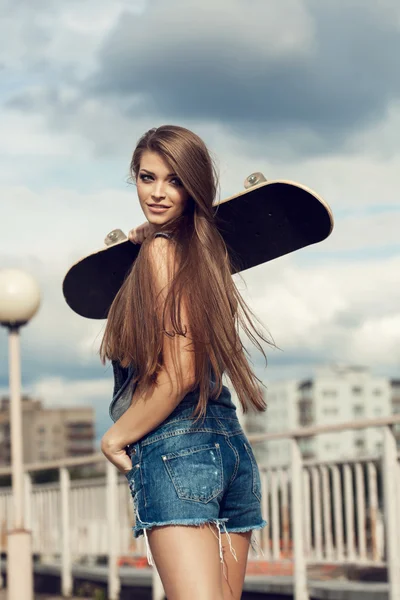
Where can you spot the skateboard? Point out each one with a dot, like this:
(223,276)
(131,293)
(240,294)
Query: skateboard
(266,220)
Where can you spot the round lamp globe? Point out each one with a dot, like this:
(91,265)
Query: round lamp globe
(19,297)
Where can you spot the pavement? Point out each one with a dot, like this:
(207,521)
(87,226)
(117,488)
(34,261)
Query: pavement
(138,582)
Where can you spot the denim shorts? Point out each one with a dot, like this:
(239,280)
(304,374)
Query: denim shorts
(192,473)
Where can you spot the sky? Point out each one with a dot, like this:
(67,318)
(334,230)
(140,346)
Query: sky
(297,89)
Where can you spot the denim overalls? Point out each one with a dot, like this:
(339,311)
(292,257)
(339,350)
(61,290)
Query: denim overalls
(186,473)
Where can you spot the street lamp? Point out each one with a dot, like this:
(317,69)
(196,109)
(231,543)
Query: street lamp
(19,301)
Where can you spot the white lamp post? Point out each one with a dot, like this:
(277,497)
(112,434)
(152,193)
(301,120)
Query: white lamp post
(19,301)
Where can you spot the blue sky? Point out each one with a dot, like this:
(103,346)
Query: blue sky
(298,89)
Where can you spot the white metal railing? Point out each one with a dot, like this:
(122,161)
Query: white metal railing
(334,512)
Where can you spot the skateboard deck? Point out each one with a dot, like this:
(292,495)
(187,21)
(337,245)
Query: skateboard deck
(265,221)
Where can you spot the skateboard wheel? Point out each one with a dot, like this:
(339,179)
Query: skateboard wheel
(116,235)
(254,179)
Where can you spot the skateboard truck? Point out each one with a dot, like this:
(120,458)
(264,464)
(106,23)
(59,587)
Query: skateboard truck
(254,179)
(115,236)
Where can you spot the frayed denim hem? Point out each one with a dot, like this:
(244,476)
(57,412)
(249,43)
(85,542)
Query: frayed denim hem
(139,530)
(248,528)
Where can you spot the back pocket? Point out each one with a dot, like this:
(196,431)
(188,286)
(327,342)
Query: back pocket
(197,473)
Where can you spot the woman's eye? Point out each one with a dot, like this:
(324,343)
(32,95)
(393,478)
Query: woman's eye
(176,181)
(145,177)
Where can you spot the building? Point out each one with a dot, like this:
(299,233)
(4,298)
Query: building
(395,392)
(48,433)
(395,386)
(281,415)
(335,395)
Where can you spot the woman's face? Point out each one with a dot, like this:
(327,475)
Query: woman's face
(161,193)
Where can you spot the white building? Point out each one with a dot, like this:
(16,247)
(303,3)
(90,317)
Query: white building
(281,415)
(335,395)
(49,433)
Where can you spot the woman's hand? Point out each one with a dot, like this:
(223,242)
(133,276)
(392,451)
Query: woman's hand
(140,233)
(116,455)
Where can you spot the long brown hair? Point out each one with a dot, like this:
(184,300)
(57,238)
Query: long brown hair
(215,309)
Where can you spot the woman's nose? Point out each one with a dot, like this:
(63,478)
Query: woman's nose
(159,191)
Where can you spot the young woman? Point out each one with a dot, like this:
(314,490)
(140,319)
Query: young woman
(171,334)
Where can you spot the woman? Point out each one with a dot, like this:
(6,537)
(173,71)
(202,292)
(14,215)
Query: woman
(172,332)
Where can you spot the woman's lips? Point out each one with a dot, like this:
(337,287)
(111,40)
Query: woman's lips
(157,209)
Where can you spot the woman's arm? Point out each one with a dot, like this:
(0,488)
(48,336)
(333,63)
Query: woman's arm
(150,408)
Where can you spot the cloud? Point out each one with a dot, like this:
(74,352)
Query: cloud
(56,391)
(302,68)
(54,37)
(343,312)
(60,226)
(298,76)
(368,235)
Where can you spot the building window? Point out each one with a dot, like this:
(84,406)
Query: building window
(306,446)
(377,392)
(41,430)
(329,393)
(331,446)
(305,414)
(358,410)
(359,443)
(330,410)
(357,390)
(80,425)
